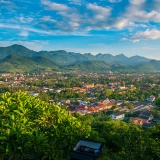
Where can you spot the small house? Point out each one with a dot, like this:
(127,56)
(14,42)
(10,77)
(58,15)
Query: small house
(118,116)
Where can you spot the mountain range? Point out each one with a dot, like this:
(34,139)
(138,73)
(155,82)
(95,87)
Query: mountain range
(17,58)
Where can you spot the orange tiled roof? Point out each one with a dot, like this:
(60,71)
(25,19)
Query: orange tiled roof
(100,107)
(90,86)
(94,109)
(82,90)
(138,121)
(89,110)
(76,88)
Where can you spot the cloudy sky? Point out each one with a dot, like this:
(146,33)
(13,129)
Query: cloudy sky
(131,27)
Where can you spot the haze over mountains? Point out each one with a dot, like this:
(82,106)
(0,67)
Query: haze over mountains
(17,58)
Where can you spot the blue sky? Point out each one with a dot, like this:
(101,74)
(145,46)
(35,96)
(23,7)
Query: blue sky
(131,27)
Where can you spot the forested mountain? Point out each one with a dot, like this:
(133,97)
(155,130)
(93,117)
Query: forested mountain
(95,66)
(66,58)
(92,66)
(17,63)
(62,56)
(20,59)
(150,66)
(134,60)
(15,49)
(46,62)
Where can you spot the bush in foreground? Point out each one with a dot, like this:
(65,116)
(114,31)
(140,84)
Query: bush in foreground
(33,129)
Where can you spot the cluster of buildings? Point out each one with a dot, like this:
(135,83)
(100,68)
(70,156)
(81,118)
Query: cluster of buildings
(143,111)
(84,108)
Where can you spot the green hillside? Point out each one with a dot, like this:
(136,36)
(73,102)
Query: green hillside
(62,56)
(151,66)
(15,49)
(16,63)
(46,62)
(90,66)
(65,58)
(96,66)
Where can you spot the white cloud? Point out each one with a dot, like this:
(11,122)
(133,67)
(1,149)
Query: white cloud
(76,2)
(72,17)
(5,2)
(139,11)
(137,2)
(23,28)
(95,18)
(120,23)
(100,12)
(24,34)
(146,35)
(67,20)
(24,19)
(48,18)
(21,19)
(114,1)
(55,6)
(136,15)
(70,26)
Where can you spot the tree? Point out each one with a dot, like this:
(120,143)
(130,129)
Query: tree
(130,106)
(108,92)
(157,103)
(44,96)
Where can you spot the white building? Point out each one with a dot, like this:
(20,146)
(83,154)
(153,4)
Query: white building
(118,116)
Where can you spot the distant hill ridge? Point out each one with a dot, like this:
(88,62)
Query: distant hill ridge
(64,57)
(17,58)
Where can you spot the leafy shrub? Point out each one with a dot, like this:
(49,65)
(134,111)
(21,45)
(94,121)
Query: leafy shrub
(33,129)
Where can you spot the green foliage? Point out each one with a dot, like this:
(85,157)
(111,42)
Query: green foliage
(44,96)
(91,66)
(17,63)
(34,129)
(157,103)
(123,141)
(67,94)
